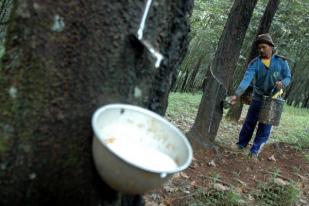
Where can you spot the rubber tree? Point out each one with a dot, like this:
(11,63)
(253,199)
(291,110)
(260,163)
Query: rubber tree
(218,77)
(63,60)
(264,26)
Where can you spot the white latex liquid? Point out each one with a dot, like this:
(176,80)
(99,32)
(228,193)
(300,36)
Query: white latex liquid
(130,145)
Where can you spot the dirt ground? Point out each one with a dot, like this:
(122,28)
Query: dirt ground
(224,167)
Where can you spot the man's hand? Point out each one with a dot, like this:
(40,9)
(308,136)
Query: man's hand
(233,99)
(279,85)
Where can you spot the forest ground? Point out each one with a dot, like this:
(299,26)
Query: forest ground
(223,175)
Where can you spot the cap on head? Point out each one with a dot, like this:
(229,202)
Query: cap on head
(264,38)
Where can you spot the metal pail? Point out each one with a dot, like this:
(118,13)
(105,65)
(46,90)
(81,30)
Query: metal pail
(131,146)
(271,110)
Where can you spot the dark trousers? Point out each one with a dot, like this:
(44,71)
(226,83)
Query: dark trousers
(263,130)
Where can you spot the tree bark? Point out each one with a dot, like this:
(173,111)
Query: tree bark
(63,60)
(5,11)
(265,23)
(219,75)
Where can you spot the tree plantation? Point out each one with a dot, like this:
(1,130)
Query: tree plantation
(289,29)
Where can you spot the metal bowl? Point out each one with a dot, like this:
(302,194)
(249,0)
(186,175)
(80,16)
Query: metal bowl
(136,150)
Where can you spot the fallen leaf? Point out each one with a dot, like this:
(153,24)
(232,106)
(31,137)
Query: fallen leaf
(272,158)
(220,187)
(250,197)
(302,177)
(241,182)
(280,181)
(212,163)
(303,201)
(184,175)
(193,183)
(155,196)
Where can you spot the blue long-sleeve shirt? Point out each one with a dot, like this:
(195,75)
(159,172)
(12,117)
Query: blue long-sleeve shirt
(265,79)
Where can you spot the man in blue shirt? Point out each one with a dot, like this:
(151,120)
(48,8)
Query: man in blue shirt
(269,71)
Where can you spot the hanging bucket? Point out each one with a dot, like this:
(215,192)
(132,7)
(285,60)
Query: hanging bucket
(271,110)
(136,150)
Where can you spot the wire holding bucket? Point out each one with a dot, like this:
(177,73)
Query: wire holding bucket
(140,36)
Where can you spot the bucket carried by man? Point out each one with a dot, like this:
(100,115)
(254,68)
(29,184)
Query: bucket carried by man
(272,108)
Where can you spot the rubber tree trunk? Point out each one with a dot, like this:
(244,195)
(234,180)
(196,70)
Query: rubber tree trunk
(265,23)
(63,60)
(223,65)
(5,9)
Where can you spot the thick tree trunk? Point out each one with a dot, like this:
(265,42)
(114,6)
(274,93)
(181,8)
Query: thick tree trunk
(64,59)
(210,110)
(265,23)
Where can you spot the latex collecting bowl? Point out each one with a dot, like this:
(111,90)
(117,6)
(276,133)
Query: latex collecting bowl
(136,150)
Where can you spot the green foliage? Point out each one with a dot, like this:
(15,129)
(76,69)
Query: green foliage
(273,194)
